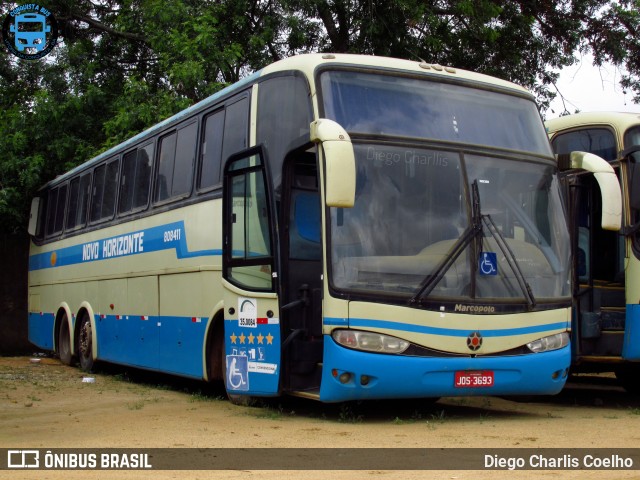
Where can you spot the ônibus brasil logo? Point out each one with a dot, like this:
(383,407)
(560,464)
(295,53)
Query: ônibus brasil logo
(30,31)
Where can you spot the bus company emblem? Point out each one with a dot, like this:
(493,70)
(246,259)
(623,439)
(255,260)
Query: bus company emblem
(30,31)
(474,341)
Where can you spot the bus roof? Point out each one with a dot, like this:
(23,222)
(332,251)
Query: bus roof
(309,62)
(306,63)
(619,120)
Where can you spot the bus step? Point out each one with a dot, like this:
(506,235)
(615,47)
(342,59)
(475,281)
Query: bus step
(310,394)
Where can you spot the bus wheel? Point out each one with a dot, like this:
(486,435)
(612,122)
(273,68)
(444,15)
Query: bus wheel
(628,378)
(64,341)
(85,344)
(241,400)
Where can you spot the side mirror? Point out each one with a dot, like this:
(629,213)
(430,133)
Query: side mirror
(607,181)
(340,161)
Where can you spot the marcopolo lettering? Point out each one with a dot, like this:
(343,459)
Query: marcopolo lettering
(474,308)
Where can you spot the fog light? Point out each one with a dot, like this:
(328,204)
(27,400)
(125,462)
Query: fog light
(344,377)
(364,380)
(555,375)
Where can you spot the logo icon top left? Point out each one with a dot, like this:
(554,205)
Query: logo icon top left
(29,32)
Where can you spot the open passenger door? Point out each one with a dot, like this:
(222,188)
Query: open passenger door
(251,363)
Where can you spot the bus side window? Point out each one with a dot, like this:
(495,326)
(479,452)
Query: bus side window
(78,202)
(283,101)
(175,164)
(135,179)
(127,181)
(56,202)
(211,156)
(105,186)
(236,126)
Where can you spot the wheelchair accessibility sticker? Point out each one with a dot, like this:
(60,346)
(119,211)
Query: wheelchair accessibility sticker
(488,263)
(237,372)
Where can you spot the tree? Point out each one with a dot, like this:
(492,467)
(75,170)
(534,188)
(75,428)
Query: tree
(123,65)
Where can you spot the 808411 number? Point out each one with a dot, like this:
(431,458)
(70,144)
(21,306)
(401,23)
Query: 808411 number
(172,235)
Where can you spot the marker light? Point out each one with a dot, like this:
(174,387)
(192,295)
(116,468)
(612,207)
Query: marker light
(369,341)
(552,342)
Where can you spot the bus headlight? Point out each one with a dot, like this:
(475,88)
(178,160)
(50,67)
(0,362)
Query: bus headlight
(552,342)
(369,341)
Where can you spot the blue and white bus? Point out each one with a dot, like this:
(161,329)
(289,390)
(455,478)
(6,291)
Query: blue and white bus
(606,332)
(335,227)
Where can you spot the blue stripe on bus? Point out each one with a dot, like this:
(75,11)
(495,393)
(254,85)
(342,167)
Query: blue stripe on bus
(169,344)
(450,332)
(171,236)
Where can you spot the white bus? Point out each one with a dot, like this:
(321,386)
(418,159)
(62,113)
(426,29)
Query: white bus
(336,227)
(606,333)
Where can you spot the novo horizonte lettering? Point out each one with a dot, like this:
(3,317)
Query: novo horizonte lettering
(113,247)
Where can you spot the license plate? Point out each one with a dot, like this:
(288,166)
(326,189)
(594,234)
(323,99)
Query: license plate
(482,379)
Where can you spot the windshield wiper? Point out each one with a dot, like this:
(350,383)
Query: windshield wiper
(472,232)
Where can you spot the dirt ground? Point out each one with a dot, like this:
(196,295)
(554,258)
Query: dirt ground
(44,404)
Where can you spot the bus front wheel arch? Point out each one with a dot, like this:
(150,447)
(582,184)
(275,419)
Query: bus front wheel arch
(215,350)
(218,363)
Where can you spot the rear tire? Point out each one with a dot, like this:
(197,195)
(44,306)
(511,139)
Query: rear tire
(85,343)
(64,341)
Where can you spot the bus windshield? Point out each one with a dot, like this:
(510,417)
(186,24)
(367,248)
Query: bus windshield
(434,223)
(391,105)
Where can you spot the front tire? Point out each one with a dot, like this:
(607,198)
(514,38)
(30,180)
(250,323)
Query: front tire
(85,344)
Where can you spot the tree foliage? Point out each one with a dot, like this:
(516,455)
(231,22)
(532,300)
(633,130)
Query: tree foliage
(123,65)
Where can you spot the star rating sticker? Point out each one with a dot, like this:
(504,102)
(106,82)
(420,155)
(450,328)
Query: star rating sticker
(242,338)
(260,339)
(233,338)
(251,338)
(269,339)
